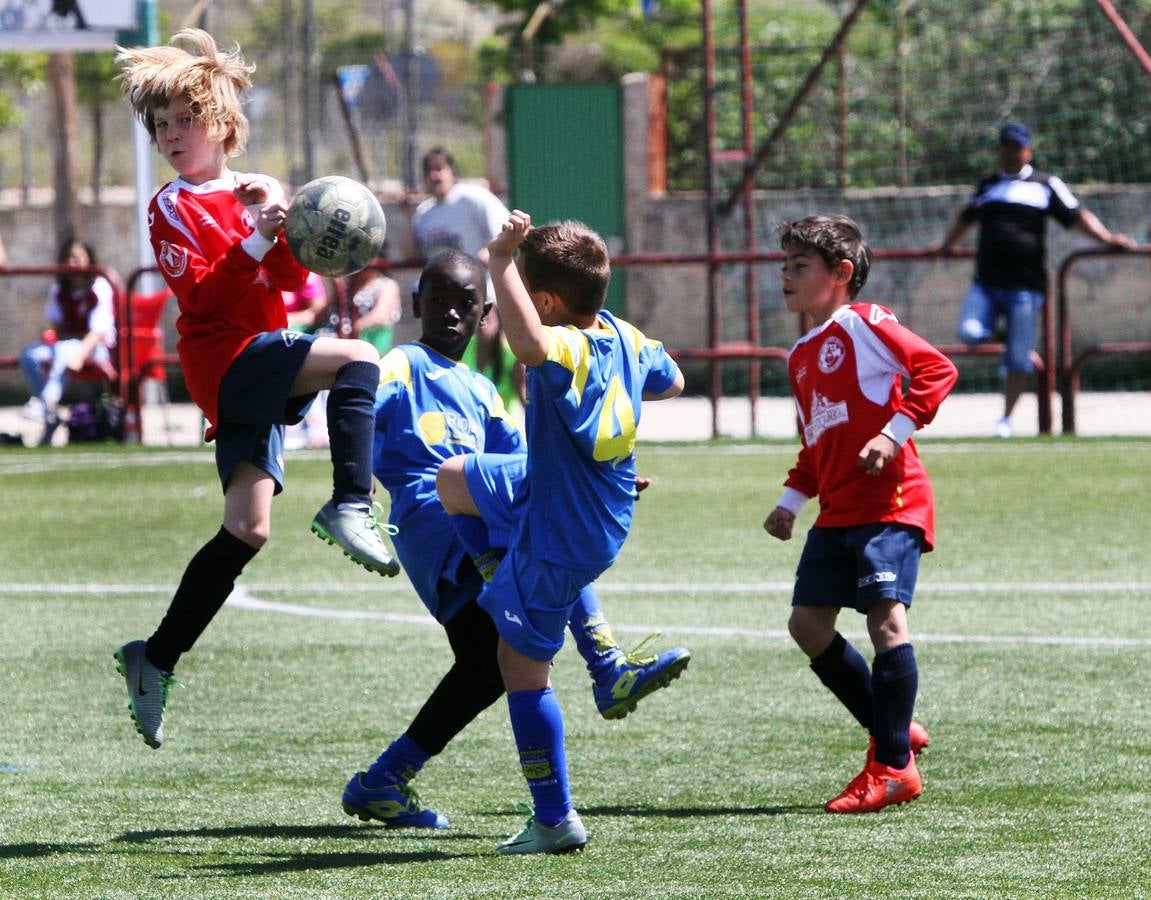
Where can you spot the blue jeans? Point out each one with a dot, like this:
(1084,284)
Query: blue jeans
(45,367)
(1019,308)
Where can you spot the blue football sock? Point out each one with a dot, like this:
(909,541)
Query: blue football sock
(593,637)
(844,672)
(538,726)
(894,683)
(400,762)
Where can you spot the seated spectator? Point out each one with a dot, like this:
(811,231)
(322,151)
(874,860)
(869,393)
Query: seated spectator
(310,309)
(81,315)
(375,307)
(307,308)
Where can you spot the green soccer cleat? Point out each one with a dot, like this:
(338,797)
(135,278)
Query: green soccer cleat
(147,691)
(357,533)
(635,675)
(566,837)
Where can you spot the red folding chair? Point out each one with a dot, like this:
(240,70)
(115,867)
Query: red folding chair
(143,359)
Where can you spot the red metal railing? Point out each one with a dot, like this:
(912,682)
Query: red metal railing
(722,351)
(1071,364)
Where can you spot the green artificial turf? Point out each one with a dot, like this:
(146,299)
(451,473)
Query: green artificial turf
(1030,624)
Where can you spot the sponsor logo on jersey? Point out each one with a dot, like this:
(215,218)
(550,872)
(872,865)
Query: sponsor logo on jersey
(876,578)
(824,415)
(831,354)
(290,337)
(512,617)
(878,314)
(172,259)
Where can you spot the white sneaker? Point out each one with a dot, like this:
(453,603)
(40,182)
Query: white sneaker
(1003,428)
(33,410)
(566,837)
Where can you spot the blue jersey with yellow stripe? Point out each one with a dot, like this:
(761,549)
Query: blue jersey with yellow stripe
(430,408)
(583,408)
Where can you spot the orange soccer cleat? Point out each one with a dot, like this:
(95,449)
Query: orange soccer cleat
(919,740)
(878,786)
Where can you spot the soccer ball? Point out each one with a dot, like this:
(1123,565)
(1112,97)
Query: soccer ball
(335,226)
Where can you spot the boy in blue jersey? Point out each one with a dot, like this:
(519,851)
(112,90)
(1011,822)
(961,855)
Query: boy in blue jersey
(587,373)
(431,408)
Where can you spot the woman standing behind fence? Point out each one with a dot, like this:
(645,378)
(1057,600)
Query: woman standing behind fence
(82,329)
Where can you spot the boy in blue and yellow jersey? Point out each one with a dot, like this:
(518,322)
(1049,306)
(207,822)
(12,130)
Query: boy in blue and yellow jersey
(587,372)
(431,408)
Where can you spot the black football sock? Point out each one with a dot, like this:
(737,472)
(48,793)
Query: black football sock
(471,685)
(207,582)
(894,684)
(351,427)
(844,672)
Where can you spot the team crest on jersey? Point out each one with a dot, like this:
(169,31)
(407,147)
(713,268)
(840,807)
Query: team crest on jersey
(831,354)
(172,259)
(825,414)
(246,218)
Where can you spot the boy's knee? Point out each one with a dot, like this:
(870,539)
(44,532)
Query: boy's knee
(360,351)
(253,532)
(811,632)
(971,331)
(451,485)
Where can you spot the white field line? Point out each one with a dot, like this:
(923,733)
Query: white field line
(244,598)
(123,458)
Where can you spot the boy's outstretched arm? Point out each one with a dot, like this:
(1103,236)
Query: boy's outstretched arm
(521,323)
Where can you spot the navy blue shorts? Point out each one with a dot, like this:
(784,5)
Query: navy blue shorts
(856,566)
(255,403)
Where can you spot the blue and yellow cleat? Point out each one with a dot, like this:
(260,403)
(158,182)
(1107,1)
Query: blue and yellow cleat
(635,675)
(396,805)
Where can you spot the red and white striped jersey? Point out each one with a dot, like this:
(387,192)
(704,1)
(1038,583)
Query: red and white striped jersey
(846,377)
(226,295)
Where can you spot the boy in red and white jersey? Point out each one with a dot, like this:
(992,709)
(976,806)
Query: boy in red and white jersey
(876,508)
(218,242)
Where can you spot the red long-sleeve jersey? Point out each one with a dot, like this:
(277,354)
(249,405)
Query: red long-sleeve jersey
(226,296)
(846,376)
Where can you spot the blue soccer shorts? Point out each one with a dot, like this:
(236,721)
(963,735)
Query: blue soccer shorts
(531,601)
(492,480)
(255,403)
(856,566)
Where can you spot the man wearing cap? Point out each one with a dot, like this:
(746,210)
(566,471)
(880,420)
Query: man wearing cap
(1011,207)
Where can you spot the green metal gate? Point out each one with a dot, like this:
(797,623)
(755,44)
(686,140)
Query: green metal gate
(565,160)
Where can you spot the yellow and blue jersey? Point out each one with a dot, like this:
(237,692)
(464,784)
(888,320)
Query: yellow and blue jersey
(430,408)
(582,412)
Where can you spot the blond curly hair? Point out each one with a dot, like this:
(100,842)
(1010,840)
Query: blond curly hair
(190,67)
